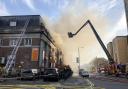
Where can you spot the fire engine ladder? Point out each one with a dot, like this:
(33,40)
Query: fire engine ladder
(11,59)
(111,61)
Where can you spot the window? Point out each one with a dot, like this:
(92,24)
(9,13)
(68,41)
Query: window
(28,42)
(1,42)
(2,60)
(12,23)
(13,42)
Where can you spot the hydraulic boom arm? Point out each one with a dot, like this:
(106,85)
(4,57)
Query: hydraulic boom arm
(98,38)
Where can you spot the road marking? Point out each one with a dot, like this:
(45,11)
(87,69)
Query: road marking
(92,85)
(27,87)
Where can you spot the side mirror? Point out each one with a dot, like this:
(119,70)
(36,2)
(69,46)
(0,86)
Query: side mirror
(70,35)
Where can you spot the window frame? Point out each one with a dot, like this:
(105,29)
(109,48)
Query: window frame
(13,42)
(28,43)
(1,42)
(12,23)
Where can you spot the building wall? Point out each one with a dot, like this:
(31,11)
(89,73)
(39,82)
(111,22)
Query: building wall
(120,49)
(110,48)
(41,40)
(24,53)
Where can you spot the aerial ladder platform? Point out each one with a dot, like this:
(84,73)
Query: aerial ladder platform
(110,59)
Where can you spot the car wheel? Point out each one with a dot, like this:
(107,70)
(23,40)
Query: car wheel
(57,79)
(44,79)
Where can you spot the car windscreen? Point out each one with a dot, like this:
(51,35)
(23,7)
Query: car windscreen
(48,71)
(28,71)
(85,72)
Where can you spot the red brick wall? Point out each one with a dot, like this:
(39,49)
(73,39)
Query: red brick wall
(23,54)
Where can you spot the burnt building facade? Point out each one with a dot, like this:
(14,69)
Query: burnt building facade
(37,48)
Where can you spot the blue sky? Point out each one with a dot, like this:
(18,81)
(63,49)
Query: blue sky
(113,10)
(106,14)
(53,8)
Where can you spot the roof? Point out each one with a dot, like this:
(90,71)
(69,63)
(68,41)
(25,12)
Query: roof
(120,36)
(16,23)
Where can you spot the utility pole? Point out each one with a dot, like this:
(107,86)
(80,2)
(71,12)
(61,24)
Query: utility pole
(79,59)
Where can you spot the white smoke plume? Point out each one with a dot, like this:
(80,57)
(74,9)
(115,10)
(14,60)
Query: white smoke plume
(70,21)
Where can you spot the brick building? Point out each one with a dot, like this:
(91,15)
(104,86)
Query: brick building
(110,48)
(120,49)
(37,48)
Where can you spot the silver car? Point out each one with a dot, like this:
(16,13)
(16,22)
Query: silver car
(84,74)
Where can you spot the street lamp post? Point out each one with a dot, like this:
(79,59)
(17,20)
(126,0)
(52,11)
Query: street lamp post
(79,58)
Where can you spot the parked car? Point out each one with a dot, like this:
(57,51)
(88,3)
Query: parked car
(51,74)
(65,73)
(84,74)
(29,74)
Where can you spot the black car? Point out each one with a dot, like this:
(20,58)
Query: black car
(51,74)
(28,75)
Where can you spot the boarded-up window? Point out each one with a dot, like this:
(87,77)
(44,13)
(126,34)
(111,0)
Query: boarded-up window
(35,54)
(12,23)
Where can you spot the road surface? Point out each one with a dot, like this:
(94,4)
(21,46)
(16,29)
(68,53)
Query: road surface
(75,82)
(109,82)
(71,83)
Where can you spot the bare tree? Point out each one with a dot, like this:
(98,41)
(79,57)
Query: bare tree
(98,63)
